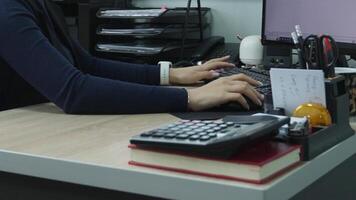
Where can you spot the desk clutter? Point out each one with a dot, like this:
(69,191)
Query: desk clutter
(235,148)
(213,138)
(222,149)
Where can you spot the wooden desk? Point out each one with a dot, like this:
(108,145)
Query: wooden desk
(41,141)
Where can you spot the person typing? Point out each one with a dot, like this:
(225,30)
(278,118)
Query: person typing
(39,62)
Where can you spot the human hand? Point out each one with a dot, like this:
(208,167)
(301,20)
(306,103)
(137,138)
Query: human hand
(194,74)
(223,90)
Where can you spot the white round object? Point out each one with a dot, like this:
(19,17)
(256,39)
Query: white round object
(251,50)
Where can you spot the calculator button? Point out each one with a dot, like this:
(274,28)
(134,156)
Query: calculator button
(204,138)
(186,129)
(181,126)
(194,137)
(223,126)
(191,132)
(170,126)
(146,134)
(199,129)
(170,135)
(182,136)
(210,131)
(217,128)
(212,135)
(224,131)
(200,124)
(158,135)
(179,132)
(211,125)
(229,123)
(202,133)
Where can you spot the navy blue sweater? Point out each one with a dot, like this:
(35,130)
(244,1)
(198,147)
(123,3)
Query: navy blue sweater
(33,71)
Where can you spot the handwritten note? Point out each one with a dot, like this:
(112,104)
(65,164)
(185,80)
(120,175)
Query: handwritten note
(293,87)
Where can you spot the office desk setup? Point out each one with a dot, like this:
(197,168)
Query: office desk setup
(41,141)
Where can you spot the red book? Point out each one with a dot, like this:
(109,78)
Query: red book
(257,164)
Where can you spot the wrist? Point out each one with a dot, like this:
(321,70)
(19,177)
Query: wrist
(192,100)
(173,76)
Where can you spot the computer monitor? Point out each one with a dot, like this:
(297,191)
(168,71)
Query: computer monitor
(332,17)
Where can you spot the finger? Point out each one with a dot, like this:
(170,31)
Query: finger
(246,90)
(259,95)
(243,77)
(207,75)
(233,97)
(221,59)
(217,65)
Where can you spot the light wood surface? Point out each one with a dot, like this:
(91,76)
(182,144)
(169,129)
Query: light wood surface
(45,130)
(92,150)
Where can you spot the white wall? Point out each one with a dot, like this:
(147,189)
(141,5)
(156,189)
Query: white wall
(229,16)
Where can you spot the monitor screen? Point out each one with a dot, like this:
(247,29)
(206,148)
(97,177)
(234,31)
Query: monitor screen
(332,17)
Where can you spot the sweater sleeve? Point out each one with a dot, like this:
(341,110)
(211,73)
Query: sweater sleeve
(137,73)
(24,47)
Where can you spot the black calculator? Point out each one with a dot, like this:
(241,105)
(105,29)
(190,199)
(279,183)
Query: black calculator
(220,138)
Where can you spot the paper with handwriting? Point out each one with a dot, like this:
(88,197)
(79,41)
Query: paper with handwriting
(293,87)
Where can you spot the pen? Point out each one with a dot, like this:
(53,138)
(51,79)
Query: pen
(299,49)
(299,33)
(300,39)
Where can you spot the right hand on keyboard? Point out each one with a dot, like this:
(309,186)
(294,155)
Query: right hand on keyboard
(223,90)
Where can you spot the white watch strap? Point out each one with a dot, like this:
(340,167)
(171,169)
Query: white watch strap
(165,65)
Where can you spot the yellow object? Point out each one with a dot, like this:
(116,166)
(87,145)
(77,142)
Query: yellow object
(316,113)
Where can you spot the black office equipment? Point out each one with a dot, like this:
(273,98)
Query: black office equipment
(148,35)
(88,22)
(333,18)
(277,56)
(260,75)
(213,138)
(324,138)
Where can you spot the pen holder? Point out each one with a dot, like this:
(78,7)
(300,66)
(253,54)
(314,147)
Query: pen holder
(324,138)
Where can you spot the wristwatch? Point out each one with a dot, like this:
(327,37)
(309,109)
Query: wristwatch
(165,66)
